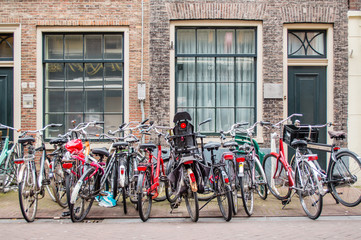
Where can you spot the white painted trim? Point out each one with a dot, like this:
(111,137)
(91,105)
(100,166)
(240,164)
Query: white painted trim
(329,62)
(354,14)
(218,23)
(39,65)
(16,65)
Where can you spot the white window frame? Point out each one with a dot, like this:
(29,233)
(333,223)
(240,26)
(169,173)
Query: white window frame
(220,23)
(39,68)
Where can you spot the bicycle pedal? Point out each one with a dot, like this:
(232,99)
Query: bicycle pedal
(46,182)
(163,178)
(285,202)
(65,214)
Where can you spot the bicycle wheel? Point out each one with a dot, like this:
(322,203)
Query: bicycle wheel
(307,190)
(247,189)
(10,171)
(144,198)
(276,176)
(191,200)
(224,197)
(345,178)
(58,181)
(49,186)
(82,197)
(233,180)
(28,197)
(170,187)
(260,180)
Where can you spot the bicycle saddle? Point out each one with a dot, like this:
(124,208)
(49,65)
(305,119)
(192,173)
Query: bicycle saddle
(58,141)
(298,143)
(26,140)
(149,146)
(230,144)
(337,135)
(212,146)
(120,144)
(101,151)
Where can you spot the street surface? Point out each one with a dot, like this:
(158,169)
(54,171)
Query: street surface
(339,227)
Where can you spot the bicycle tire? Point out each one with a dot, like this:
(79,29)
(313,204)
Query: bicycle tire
(81,197)
(114,180)
(224,198)
(233,180)
(307,189)
(277,182)
(59,184)
(50,188)
(247,189)
(10,171)
(191,200)
(27,193)
(161,192)
(169,187)
(144,198)
(345,178)
(260,178)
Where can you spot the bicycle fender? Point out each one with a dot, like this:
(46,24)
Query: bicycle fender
(21,173)
(140,182)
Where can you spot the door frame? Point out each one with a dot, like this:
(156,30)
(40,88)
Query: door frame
(326,62)
(15,29)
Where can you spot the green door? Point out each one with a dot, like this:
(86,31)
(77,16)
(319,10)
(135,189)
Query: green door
(6,97)
(307,95)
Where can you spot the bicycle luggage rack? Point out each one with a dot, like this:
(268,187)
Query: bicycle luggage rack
(291,132)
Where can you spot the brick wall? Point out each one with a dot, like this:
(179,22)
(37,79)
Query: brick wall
(355,5)
(273,14)
(55,13)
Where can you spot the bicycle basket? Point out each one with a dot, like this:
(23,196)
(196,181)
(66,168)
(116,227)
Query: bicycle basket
(291,132)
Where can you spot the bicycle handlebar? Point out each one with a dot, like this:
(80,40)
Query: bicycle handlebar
(284,120)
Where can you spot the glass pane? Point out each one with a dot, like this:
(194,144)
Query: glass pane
(225,118)
(206,41)
(54,47)
(54,74)
(6,46)
(246,41)
(225,41)
(113,100)
(245,115)
(205,70)
(245,95)
(112,122)
(186,41)
(113,47)
(206,95)
(98,129)
(186,70)
(295,43)
(54,118)
(93,100)
(113,75)
(77,117)
(203,114)
(225,69)
(73,47)
(245,70)
(74,100)
(54,100)
(93,75)
(93,47)
(186,95)
(74,75)
(316,41)
(225,95)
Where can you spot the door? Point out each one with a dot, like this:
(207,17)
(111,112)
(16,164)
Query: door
(6,98)
(307,95)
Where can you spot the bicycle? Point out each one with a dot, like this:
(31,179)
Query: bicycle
(150,175)
(8,169)
(31,185)
(282,179)
(342,176)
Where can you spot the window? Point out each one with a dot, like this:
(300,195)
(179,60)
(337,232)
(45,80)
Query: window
(216,75)
(309,44)
(6,47)
(83,76)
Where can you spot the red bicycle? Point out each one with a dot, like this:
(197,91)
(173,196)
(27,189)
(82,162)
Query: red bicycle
(150,175)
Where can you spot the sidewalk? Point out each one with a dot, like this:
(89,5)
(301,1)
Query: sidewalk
(271,207)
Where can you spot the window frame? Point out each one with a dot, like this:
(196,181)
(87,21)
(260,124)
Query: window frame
(216,55)
(83,61)
(12,47)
